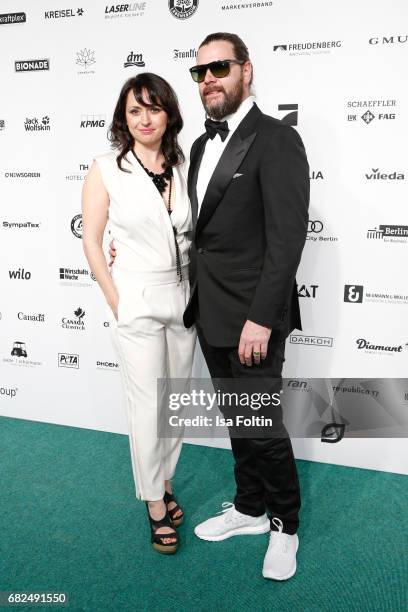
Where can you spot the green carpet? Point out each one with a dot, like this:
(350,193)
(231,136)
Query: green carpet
(70,522)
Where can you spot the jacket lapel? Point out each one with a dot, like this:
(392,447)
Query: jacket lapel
(230,160)
(194,167)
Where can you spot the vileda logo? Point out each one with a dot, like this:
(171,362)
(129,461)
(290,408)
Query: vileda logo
(12,18)
(32,65)
(377,175)
(92,121)
(68,360)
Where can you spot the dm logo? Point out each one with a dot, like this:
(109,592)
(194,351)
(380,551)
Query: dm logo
(183,9)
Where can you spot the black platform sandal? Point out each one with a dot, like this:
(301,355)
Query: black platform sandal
(157,538)
(168,498)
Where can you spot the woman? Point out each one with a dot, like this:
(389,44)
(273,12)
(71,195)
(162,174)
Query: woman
(141,189)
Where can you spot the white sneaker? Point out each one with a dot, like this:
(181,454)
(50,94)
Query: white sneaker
(231,523)
(280,558)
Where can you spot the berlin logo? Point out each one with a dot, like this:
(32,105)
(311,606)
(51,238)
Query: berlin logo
(389,233)
(292,117)
(76,226)
(134,59)
(6,18)
(353,293)
(92,121)
(37,125)
(32,65)
(183,9)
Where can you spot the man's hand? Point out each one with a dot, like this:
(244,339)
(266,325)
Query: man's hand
(254,341)
(112,252)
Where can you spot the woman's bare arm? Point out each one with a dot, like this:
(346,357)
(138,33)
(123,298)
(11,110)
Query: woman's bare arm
(95,205)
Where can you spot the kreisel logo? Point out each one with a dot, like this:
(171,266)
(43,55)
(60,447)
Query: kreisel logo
(85,58)
(92,121)
(311,340)
(309,48)
(183,9)
(33,124)
(290,118)
(32,65)
(34,318)
(353,293)
(134,59)
(62,14)
(19,274)
(76,226)
(376,175)
(184,54)
(130,9)
(68,360)
(12,18)
(76,323)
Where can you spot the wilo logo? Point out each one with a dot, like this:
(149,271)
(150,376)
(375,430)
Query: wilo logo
(92,121)
(20,274)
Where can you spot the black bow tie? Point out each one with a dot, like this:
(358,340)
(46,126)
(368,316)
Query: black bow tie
(216,127)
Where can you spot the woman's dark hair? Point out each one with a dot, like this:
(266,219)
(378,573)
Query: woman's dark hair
(159,93)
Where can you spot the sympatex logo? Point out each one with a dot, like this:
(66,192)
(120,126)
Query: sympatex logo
(12,18)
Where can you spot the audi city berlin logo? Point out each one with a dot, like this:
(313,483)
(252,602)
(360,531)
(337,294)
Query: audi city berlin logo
(314,226)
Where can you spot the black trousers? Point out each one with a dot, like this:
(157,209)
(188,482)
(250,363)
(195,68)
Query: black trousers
(265,468)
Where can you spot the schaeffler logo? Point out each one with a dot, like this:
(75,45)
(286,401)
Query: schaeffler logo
(64,13)
(134,59)
(290,118)
(384,110)
(33,124)
(85,58)
(32,65)
(311,340)
(309,48)
(388,40)
(132,9)
(187,54)
(20,274)
(20,225)
(384,349)
(92,121)
(68,360)
(76,226)
(79,175)
(183,9)
(12,18)
(389,233)
(353,293)
(76,323)
(34,318)
(308,291)
(376,175)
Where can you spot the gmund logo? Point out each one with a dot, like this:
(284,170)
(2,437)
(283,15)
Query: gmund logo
(92,121)
(77,323)
(6,18)
(37,125)
(31,65)
(376,175)
(68,360)
(387,41)
(20,274)
(134,59)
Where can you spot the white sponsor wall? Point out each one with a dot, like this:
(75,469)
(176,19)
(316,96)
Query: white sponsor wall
(336,74)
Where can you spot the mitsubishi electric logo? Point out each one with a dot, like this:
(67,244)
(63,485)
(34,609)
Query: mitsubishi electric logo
(134,59)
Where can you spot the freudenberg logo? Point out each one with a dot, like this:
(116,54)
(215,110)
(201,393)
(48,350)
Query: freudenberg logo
(309,48)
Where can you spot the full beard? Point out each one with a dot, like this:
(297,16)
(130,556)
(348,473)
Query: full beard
(228,105)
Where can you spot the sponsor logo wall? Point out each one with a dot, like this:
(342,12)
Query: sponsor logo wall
(61,76)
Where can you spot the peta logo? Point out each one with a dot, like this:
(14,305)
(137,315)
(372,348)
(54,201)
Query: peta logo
(68,360)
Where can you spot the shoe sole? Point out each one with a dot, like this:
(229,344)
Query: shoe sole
(288,575)
(258,530)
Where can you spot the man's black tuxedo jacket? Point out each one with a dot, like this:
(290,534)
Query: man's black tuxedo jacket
(250,232)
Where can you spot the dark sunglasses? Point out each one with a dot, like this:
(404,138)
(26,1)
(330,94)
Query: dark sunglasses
(219,69)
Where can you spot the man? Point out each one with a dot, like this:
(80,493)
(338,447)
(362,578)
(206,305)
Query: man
(249,189)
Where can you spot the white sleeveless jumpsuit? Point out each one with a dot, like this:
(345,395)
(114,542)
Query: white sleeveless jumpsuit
(149,336)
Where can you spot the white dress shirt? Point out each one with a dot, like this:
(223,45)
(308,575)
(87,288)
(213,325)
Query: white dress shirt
(215,147)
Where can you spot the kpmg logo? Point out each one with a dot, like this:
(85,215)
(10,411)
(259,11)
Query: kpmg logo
(353,293)
(184,54)
(183,9)
(389,233)
(68,360)
(92,121)
(134,59)
(390,40)
(290,118)
(34,124)
(381,110)
(76,226)
(12,18)
(309,48)
(311,340)
(19,274)
(32,65)
(308,291)
(377,175)
(62,14)
(85,58)
(130,9)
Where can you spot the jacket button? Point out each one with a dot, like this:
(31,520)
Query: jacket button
(201,251)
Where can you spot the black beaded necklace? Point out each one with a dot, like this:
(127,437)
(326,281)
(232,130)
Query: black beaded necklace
(161,180)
